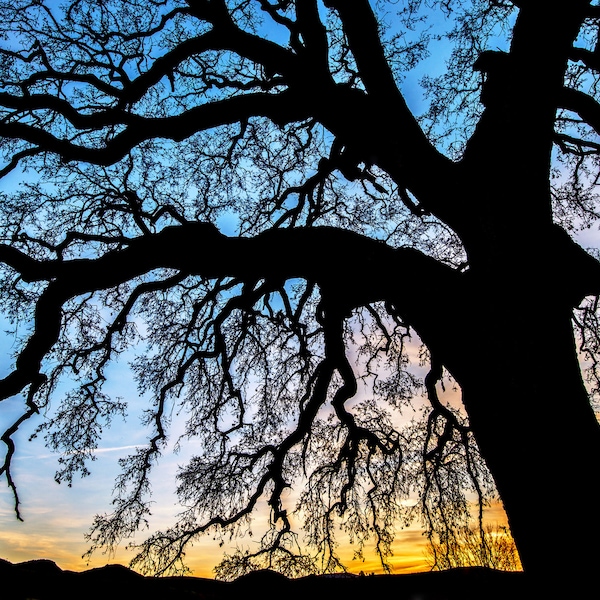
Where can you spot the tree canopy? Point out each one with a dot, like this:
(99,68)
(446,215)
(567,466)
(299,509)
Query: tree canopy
(251,196)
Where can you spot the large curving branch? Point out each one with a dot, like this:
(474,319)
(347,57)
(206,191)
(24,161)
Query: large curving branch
(405,161)
(583,105)
(281,108)
(314,35)
(361,29)
(328,256)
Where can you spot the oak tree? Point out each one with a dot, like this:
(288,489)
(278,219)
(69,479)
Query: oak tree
(248,195)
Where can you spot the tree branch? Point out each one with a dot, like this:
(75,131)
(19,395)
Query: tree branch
(281,108)
(582,104)
(199,249)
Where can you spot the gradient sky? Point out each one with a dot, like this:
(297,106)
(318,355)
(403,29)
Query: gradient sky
(56,517)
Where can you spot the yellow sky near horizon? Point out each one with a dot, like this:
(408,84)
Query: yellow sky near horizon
(55,532)
(59,538)
(56,518)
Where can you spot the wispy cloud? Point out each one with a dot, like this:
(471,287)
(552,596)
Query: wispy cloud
(53,455)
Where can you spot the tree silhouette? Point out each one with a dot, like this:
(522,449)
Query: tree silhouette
(239,190)
(491,547)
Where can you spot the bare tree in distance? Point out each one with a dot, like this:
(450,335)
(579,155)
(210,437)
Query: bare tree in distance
(241,193)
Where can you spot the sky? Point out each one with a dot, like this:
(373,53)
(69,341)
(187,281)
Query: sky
(56,517)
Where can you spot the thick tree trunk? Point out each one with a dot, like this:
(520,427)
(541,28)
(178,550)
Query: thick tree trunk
(531,416)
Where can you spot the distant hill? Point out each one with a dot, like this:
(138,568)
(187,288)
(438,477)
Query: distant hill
(44,580)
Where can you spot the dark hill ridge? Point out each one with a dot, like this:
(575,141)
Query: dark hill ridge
(44,580)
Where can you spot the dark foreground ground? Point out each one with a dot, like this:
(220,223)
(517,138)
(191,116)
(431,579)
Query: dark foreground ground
(44,580)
